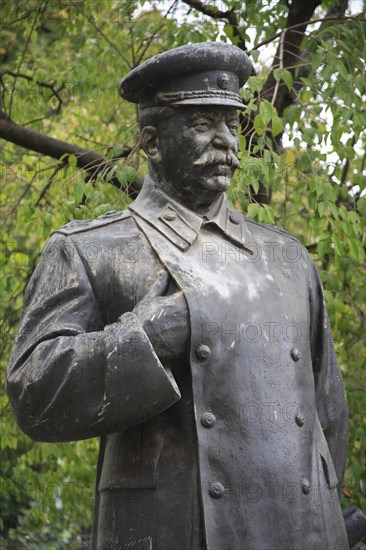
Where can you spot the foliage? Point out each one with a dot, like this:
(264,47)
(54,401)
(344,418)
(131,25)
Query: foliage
(302,152)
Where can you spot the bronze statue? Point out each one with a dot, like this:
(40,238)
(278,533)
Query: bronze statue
(193,341)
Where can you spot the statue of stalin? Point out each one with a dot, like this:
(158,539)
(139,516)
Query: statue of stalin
(193,341)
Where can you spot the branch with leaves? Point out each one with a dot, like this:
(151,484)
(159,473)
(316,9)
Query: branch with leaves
(55,92)
(230,15)
(93,163)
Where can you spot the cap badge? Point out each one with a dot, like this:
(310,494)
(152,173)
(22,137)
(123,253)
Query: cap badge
(223,81)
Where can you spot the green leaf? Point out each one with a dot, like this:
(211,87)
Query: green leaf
(269,213)
(255,185)
(312,199)
(110,173)
(253,210)
(285,75)
(88,189)
(306,96)
(122,176)
(355,249)
(334,210)
(322,208)
(361,206)
(130,174)
(255,84)
(306,81)
(47,225)
(72,161)
(116,151)
(288,157)
(277,126)
(261,214)
(323,247)
(78,213)
(342,70)
(266,110)
(228,30)
(102,209)
(259,124)
(267,157)
(79,187)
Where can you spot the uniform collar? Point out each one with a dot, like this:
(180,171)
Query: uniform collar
(180,225)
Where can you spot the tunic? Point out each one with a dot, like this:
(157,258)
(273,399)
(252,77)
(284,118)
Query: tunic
(239,445)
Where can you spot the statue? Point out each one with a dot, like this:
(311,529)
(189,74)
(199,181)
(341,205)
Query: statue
(193,341)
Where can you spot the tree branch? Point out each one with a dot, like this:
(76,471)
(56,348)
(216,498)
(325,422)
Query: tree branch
(153,34)
(347,164)
(281,49)
(310,21)
(24,52)
(293,57)
(334,13)
(55,91)
(211,11)
(106,38)
(30,139)
(93,163)
(216,13)
(287,55)
(59,167)
(298,18)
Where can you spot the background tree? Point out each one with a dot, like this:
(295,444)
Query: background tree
(70,151)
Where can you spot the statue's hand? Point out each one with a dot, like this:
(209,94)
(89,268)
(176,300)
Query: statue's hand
(165,320)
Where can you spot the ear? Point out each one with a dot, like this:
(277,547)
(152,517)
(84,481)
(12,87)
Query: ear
(150,143)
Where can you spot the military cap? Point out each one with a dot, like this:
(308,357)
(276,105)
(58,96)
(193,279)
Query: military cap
(207,73)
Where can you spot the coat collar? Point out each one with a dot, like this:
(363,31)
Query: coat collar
(180,225)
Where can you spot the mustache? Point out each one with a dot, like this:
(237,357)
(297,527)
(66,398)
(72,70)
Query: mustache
(217,157)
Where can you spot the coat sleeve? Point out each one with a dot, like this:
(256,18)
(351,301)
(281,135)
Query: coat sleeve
(331,401)
(69,376)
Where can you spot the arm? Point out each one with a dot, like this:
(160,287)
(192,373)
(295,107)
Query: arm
(69,376)
(330,396)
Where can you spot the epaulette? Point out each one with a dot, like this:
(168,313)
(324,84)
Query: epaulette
(79,226)
(275,228)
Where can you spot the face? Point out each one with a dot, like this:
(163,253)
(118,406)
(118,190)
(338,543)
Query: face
(198,147)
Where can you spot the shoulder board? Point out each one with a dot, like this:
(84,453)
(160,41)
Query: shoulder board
(79,226)
(274,228)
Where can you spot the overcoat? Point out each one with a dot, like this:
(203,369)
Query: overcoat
(239,445)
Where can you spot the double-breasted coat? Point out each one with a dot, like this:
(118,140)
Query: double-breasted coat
(239,445)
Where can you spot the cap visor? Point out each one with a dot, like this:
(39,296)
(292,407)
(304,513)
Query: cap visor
(210,101)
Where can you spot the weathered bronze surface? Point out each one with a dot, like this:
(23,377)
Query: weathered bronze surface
(193,341)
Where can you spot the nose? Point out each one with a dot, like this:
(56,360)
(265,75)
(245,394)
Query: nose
(223,138)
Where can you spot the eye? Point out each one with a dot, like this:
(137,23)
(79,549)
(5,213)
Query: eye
(233,126)
(202,124)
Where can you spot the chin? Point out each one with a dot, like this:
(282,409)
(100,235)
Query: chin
(216,183)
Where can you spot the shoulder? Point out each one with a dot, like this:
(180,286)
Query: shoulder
(277,244)
(270,231)
(90,237)
(82,226)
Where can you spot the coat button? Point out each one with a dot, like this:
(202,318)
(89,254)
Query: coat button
(203,352)
(300,419)
(208,420)
(170,215)
(295,354)
(305,486)
(234,218)
(217,489)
